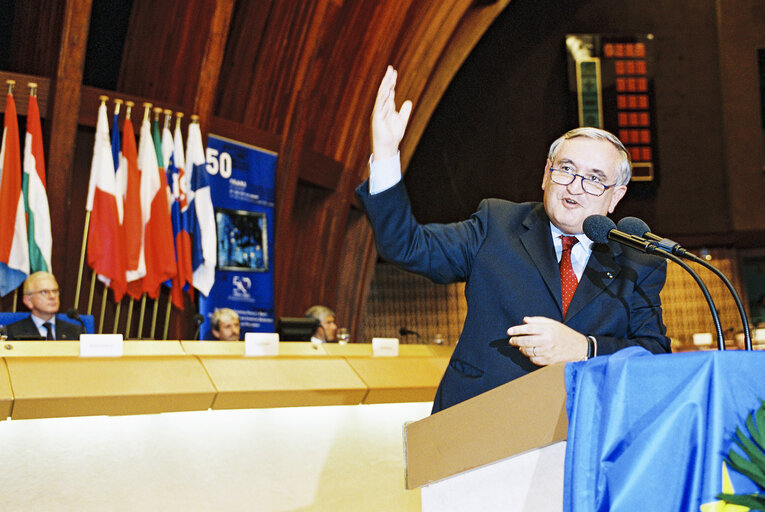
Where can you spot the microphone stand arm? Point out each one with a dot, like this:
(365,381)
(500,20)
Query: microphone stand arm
(654,249)
(739,305)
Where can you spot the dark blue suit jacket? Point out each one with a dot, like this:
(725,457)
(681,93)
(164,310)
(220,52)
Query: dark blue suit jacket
(505,254)
(26,328)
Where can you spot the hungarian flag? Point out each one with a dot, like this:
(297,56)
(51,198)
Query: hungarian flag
(14,252)
(35,196)
(132,225)
(157,251)
(172,148)
(105,247)
(200,215)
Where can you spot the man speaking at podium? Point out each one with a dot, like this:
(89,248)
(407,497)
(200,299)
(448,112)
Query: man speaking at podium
(41,296)
(538,290)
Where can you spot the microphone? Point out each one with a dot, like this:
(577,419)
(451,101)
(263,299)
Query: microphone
(403,331)
(600,229)
(635,226)
(199,319)
(74,315)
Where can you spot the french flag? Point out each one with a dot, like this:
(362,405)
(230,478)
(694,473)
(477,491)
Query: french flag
(105,248)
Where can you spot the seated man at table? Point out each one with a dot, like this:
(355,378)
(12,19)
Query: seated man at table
(327,328)
(224,325)
(41,296)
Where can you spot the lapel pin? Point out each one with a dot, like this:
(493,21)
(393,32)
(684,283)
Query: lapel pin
(609,275)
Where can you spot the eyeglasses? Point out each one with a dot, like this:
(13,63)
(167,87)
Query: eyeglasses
(47,293)
(589,185)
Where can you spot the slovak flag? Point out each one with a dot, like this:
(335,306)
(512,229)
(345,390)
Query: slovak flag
(201,216)
(14,251)
(35,196)
(105,241)
(172,145)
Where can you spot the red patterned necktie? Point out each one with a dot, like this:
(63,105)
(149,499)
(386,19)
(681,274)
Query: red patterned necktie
(568,280)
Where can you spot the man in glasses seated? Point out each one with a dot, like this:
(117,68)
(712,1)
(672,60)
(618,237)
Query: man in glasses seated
(41,296)
(538,291)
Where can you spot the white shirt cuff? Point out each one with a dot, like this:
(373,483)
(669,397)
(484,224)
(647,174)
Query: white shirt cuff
(383,174)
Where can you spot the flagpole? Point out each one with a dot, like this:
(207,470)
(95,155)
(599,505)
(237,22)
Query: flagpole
(103,309)
(154,316)
(117,317)
(129,320)
(92,292)
(82,260)
(140,318)
(167,318)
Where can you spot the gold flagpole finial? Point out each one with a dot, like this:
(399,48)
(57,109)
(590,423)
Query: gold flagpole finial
(103,99)
(168,117)
(128,108)
(157,111)
(178,117)
(10,83)
(117,104)
(146,109)
(194,118)
(32,88)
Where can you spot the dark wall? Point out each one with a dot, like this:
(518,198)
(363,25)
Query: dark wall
(490,134)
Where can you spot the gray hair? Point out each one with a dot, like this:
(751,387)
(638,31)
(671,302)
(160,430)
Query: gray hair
(624,166)
(319,312)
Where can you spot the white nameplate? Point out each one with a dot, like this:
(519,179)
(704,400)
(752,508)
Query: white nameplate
(384,347)
(101,345)
(261,344)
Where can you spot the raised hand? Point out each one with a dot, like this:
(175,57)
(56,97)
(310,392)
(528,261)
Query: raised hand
(388,124)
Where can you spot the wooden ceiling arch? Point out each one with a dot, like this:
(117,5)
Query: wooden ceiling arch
(295,77)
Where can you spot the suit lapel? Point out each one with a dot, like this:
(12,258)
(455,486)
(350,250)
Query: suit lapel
(537,240)
(599,274)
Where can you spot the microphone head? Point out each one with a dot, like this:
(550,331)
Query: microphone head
(633,226)
(73,314)
(597,227)
(199,318)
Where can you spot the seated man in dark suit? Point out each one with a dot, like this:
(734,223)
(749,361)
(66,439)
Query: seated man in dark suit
(41,296)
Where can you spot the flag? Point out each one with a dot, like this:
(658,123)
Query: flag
(14,252)
(157,251)
(172,147)
(200,214)
(35,195)
(650,432)
(105,241)
(132,224)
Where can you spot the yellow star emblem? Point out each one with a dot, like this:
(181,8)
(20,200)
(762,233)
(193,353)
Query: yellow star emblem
(727,488)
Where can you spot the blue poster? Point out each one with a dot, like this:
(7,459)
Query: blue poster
(242,180)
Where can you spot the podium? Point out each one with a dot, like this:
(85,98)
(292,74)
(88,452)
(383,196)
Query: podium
(501,450)
(647,432)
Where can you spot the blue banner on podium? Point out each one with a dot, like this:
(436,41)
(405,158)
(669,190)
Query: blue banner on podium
(650,432)
(242,179)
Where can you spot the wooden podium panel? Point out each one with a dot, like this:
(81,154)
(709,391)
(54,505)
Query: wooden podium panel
(400,379)
(522,415)
(257,382)
(49,387)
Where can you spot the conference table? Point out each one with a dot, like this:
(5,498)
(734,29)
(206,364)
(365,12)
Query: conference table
(199,425)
